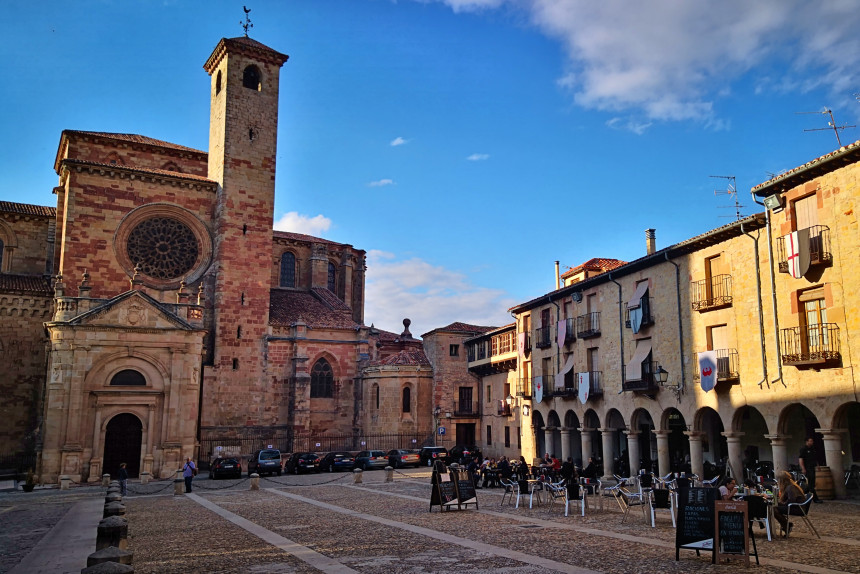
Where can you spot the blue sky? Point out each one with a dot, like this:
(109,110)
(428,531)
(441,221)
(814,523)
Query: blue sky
(465,144)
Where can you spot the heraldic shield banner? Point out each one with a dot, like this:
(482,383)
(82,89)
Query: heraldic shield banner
(708,370)
(584,386)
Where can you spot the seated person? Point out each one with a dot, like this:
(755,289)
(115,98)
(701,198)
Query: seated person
(590,471)
(568,471)
(789,491)
(729,489)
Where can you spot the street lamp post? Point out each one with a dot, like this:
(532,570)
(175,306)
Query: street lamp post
(436,413)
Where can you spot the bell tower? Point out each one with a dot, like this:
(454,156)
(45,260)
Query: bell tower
(243,128)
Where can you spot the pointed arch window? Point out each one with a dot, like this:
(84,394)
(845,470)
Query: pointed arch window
(322,380)
(288,270)
(407,400)
(331,278)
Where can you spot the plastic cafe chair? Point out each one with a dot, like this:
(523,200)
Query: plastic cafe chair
(801,509)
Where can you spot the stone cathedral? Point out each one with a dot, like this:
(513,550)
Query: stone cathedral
(156,300)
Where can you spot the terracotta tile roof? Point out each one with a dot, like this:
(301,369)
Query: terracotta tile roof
(128,169)
(458,327)
(135,138)
(387,336)
(302,237)
(287,307)
(26,283)
(405,357)
(330,299)
(595,264)
(27,209)
(847,154)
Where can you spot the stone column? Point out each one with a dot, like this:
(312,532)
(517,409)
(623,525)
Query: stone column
(633,451)
(608,452)
(587,449)
(565,444)
(833,456)
(697,455)
(733,442)
(97,432)
(150,421)
(664,467)
(780,455)
(548,444)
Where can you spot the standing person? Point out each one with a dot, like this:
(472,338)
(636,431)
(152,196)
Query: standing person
(123,479)
(808,460)
(188,472)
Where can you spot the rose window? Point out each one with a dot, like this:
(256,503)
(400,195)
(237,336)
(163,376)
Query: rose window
(163,247)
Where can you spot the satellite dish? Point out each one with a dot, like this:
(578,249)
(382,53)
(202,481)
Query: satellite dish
(577,296)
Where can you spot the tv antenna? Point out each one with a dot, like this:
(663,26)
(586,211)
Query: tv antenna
(731,190)
(831,125)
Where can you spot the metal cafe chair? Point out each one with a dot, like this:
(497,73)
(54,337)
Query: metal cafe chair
(758,511)
(627,500)
(801,509)
(661,499)
(511,488)
(853,475)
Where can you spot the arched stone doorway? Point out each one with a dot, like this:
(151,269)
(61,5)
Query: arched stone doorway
(679,445)
(714,448)
(592,446)
(643,447)
(796,424)
(748,445)
(613,441)
(847,418)
(538,430)
(574,440)
(553,435)
(123,438)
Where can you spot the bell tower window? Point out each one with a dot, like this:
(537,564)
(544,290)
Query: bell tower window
(218,83)
(331,278)
(288,270)
(251,78)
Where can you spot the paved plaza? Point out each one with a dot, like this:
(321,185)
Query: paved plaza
(326,523)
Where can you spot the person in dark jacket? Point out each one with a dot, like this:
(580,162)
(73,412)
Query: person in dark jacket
(123,479)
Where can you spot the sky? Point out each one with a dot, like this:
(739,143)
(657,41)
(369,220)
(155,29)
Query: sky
(466,145)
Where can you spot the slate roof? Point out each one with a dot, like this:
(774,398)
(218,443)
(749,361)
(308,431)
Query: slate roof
(135,138)
(27,209)
(414,357)
(35,284)
(287,307)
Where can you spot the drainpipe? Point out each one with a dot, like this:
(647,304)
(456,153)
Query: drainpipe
(620,330)
(558,317)
(760,313)
(772,293)
(680,322)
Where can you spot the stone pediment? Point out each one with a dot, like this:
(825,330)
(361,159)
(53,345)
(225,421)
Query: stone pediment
(132,309)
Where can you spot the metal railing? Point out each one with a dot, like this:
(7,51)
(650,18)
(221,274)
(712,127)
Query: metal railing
(569,330)
(503,408)
(647,383)
(465,408)
(595,384)
(543,337)
(588,325)
(811,345)
(711,293)
(819,248)
(524,387)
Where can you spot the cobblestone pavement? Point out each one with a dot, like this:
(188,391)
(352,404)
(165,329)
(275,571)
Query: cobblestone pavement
(313,523)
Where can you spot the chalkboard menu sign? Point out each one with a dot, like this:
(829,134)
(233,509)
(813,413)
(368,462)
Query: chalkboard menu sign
(695,529)
(452,489)
(466,490)
(731,527)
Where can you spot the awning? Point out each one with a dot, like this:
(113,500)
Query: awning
(641,289)
(634,367)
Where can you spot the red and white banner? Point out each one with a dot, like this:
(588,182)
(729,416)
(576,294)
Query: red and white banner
(584,386)
(708,370)
(562,332)
(538,393)
(797,252)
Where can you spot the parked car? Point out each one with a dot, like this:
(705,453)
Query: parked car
(225,468)
(401,458)
(460,454)
(430,453)
(337,461)
(265,461)
(303,462)
(368,459)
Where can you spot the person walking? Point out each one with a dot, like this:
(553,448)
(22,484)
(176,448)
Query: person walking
(188,472)
(808,460)
(123,479)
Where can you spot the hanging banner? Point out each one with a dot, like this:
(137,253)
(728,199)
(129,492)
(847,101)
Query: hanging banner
(584,381)
(538,390)
(562,332)
(797,252)
(708,370)
(559,378)
(521,344)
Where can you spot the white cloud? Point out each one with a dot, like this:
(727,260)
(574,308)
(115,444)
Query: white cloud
(629,124)
(478,157)
(381,183)
(297,223)
(398,141)
(431,296)
(670,60)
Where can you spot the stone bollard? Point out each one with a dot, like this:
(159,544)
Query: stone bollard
(356,476)
(109,568)
(65,482)
(105,480)
(113,483)
(178,486)
(113,497)
(112,531)
(389,474)
(114,509)
(110,554)
(255,481)
(144,477)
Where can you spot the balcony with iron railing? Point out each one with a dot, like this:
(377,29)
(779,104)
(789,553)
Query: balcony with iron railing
(647,315)
(524,387)
(819,248)
(727,365)
(543,337)
(813,346)
(566,391)
(712,293)
(595,384)
(647,383)
(503,408)
(569,332)
(588,325)
(465,409)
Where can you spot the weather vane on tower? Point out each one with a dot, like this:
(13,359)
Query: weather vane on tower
(247,23)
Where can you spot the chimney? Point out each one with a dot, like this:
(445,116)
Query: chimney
(650,241)
(557,278)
